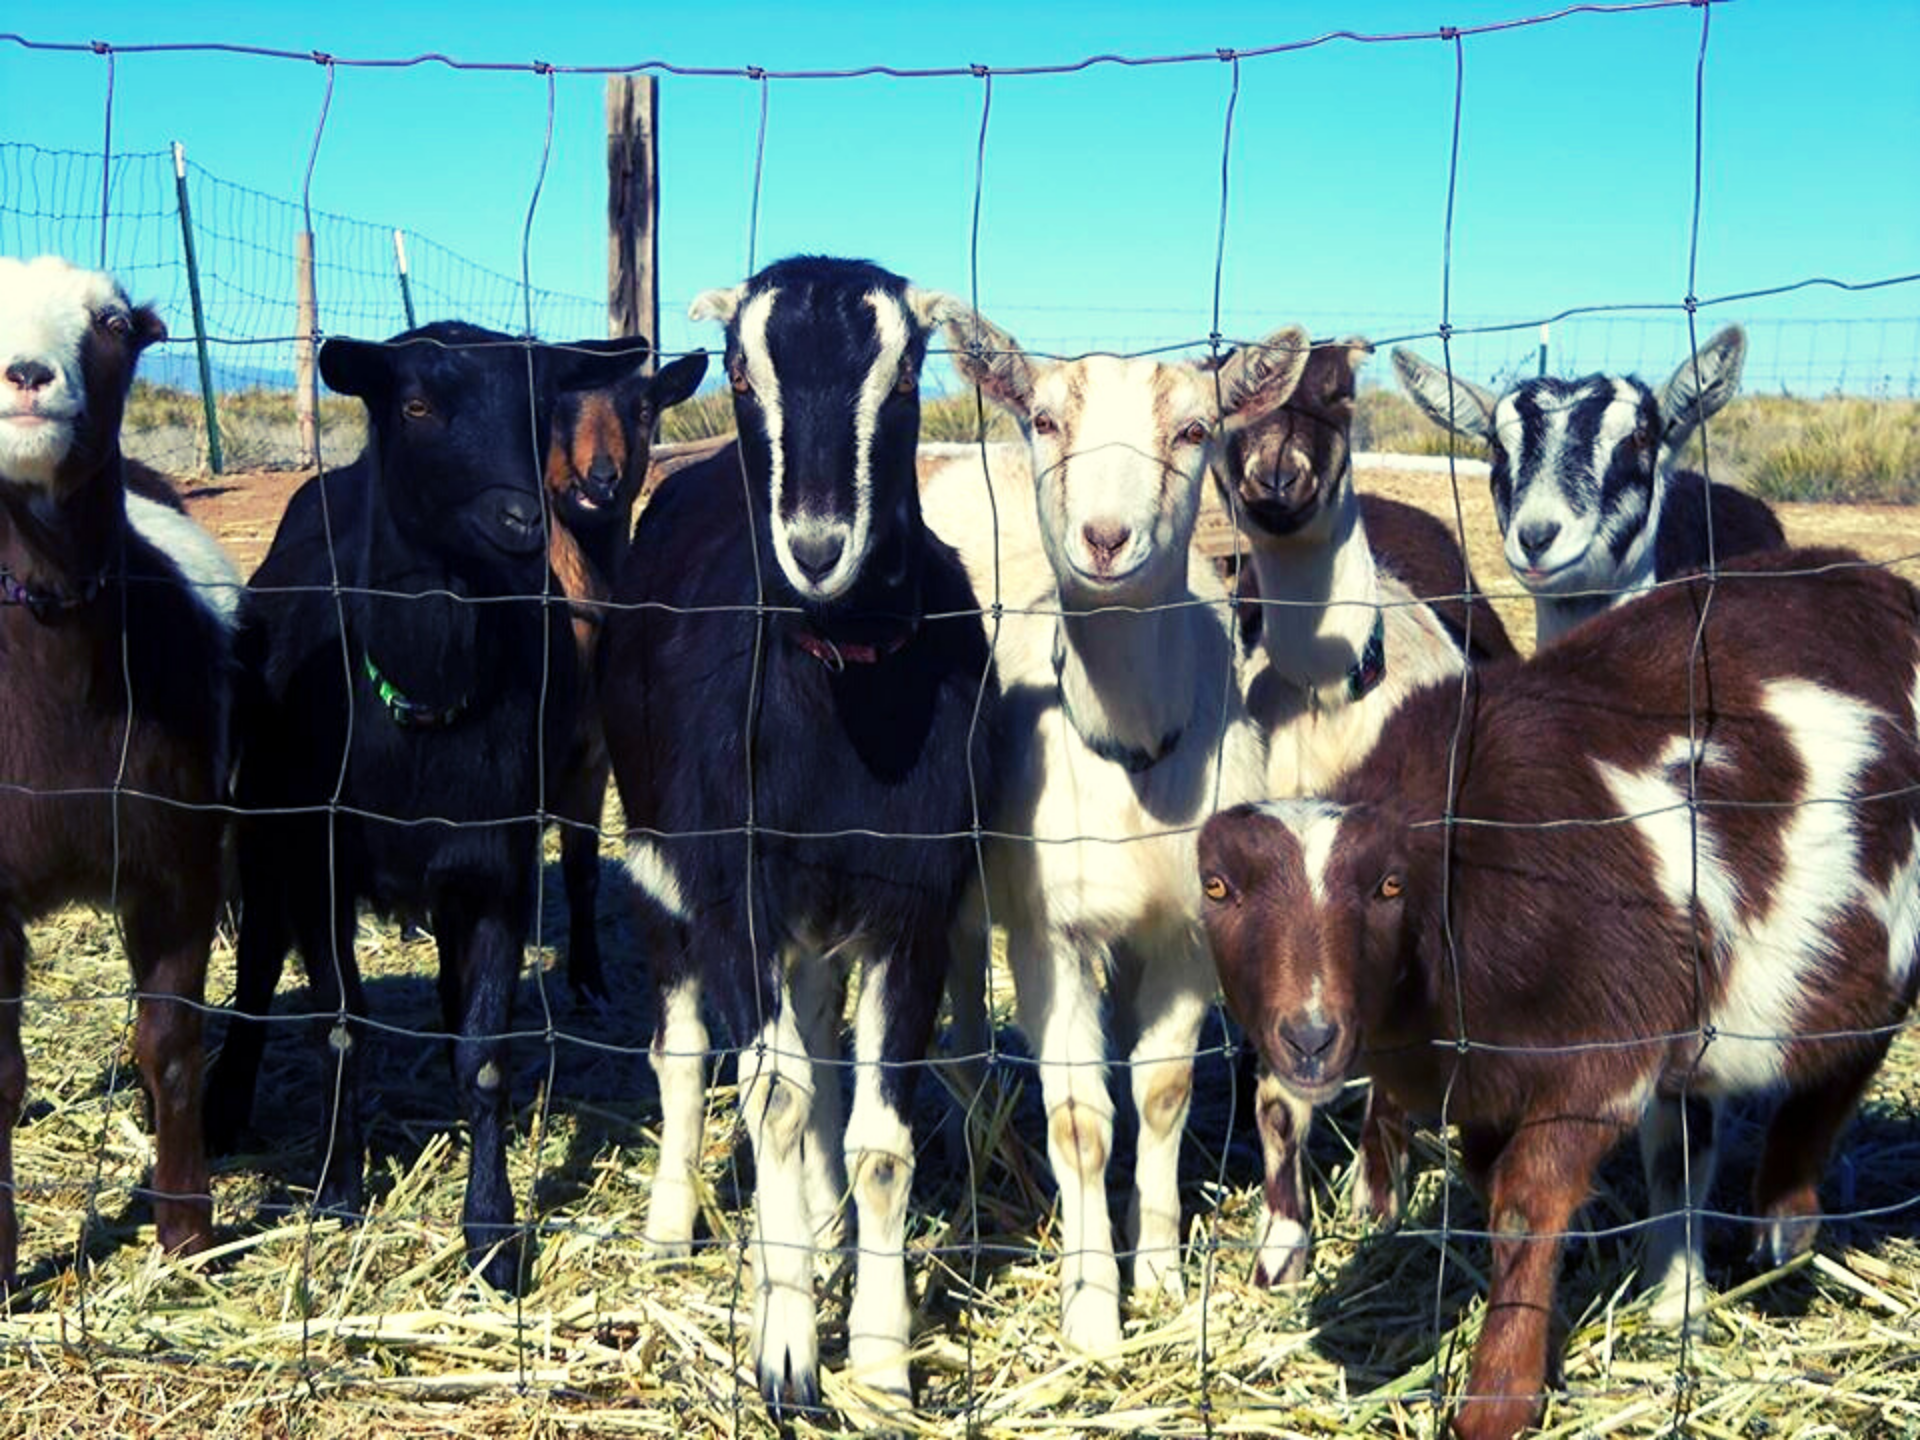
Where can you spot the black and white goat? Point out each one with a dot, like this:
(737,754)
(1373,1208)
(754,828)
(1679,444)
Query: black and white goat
(116,644)
(1122,728)
(1590,506)
(1672,858)
(797,694)
(596,462)
(1361,601)
(405,729)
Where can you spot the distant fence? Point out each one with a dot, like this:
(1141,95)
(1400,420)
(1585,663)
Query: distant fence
(245,242)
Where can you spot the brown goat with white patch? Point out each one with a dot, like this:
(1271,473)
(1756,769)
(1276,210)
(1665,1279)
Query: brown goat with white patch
(116,619)
(1671,875)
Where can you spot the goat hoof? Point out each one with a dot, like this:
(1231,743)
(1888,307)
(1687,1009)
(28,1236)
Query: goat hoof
(1091,1323)
(1156,1276)
(788,1363)
(1285,1254)
(879,1367)
(497,1263)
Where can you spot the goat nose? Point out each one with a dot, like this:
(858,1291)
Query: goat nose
(1537,537)
(818,553)
(1308,1040)
(30,375)
(1104,538)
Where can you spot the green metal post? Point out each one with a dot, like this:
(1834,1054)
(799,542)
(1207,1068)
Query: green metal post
(214,461)
(406,286)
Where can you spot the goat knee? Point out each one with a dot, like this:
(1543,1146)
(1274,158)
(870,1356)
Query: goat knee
(1080,1136)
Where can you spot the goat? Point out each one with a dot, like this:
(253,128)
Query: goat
(1122,722)
(796,688)
(116,648)
(1682,861)
(1590,506)
(1376,600)
(596,461)
(413,693)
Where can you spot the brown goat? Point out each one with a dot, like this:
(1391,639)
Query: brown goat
(596,461)
(115,655)
(1582,942)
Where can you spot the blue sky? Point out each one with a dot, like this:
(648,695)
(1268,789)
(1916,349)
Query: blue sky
(1100,206)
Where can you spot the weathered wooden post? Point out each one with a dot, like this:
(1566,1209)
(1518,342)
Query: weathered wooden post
(633,209)
(305,325)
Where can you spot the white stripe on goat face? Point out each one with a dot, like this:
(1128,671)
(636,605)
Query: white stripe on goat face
(806,528)
(47,308)
(1117,482)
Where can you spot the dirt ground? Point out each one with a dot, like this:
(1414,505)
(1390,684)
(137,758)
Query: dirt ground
(242,510)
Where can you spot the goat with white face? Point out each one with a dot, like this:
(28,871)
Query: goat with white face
(1122,727)
(1589,503)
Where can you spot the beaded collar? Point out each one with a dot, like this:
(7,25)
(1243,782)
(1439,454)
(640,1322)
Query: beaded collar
(44,604)
(409,714)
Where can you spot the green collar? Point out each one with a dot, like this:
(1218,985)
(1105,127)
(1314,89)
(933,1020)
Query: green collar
(409,714)
(1371,668)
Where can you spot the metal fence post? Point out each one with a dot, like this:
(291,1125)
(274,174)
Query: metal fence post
(406,285)
(214,460)
(1543,349)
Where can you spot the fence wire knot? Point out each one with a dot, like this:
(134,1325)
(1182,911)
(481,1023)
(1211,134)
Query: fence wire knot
(756,72)
(320,57)
(980,72)
(1227,53)
(541,67)
(101,47)
(1449,32)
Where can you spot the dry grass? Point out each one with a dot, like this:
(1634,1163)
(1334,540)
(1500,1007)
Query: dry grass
(297,1326)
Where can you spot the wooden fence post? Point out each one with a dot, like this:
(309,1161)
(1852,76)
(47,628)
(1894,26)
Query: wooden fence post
(305,325)
(633,209)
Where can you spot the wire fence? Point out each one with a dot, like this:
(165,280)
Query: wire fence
(309,1312)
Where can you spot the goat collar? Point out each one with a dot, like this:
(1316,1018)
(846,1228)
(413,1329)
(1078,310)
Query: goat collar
(1131,758)
(44,604)
(1371,668)
(409,714)
(836,655)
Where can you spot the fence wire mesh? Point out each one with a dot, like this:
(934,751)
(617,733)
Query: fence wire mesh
(298,1310)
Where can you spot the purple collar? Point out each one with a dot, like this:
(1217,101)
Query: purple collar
(44,604)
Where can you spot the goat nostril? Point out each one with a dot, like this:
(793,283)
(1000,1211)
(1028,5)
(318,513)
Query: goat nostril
(1537,538)
(30,375)
(1309,1041)
(816,555)
(1105,538)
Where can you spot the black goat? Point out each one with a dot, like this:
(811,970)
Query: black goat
(796,698)
(405,730)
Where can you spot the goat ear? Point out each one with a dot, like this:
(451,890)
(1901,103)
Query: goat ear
(934,307)
(1702,386)
(717,304)
(148,328)
(1447,400)
(1331,380)
(355,367)
(676,382)
(985,355)
(1258,379)
(590,364)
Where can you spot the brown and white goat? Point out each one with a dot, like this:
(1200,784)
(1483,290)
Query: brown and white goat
(1360,602)
(1669,873)
(596,462)
(116,619)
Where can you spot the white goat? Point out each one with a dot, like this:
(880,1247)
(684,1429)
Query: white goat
(1121,728)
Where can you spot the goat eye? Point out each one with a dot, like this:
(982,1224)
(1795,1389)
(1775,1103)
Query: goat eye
(737,376)
(115,322)
(908,381)
(1390,887)
(1043,423)
(1194,432)
(1215,887)
(415,408)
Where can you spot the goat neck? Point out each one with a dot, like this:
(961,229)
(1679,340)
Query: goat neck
(62,546)
(1128,676)
(1325,596)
